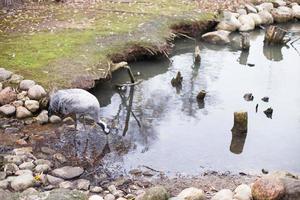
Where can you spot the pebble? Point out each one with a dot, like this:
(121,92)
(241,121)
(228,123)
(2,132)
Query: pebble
(66,185)
(42,161)
(54,180)
(32,105)
(55,119)
(27,165)
(8,110)
(112,189)
(95,197)
(36,92)
(26,84)
(22,112)
(43,118)
(96,189)
(42,168)
(10,168)
(109,197)
(60,158)
(23,171)
(83,184)
(224,194)
(242,192)
(22,182)
(68,172)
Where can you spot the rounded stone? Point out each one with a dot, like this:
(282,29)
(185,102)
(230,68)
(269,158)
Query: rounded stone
(36,92)
(26,84)
(7,95)
(68,172)
(268,188)
(191,194)
(22,112)
(8,110)
(32,105)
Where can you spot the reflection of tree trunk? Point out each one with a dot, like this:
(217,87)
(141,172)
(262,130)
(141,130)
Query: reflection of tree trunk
(129,109)
(237,142)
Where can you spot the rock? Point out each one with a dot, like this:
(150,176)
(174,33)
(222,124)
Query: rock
(4,74)
(248,97)
(65,194)
(191,194)
(264,171)
(36,92)
(154,193)
(7,110)
(2,175)
(48,150)
(82,184)
(55,119)
(17,103)
(268,188)
(66,185)
(96,189)
(224,194)
(247,22)
(242,192)
(121,198)
(22,182)
(266,17)
(68,120)
(22,112)
(268,6)
(24,171)
(269,113)
(15,79)
(27,165)
(16,159)
(42,118)
(42,162)
(229,23)
(10,169)
(68,172)
(4,184)
(217,37)
(241,11)
(22,151)
(26,84)
(54,180)
(7,95)
(250,8)
(256,18)
(109,197)
(296,11)
(22,95)
(42,168)
(282,14)
(60,158)
(95,197)
(278,3)
(112,189)
(32,105)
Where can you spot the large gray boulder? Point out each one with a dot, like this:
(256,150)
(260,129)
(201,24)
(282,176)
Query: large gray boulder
(7,95)
(247,22)
(282,14)
(154,193)
(22,182)
(229,23)
(217,37)
(7,110)
(36,92)
(266,17)
(32,105)
(22,112)
(68,172)
(5,74)
(26,84)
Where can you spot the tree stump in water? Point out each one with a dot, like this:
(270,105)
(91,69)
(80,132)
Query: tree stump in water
(240,122)
(201,95)
(275,35)
(197,55)
(177,81)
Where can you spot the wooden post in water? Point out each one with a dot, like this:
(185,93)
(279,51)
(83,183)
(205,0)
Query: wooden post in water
(275,35)
(130,74)
(240,122)
(245,41)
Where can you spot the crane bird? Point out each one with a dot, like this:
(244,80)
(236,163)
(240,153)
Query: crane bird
(78,102)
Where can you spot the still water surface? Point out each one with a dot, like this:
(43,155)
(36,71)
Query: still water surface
(170,131)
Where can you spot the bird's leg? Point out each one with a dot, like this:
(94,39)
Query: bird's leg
(77,117)
(84,124)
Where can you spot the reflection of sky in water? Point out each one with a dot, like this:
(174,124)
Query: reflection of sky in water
(175,135)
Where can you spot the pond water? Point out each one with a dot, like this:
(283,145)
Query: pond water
(169,130)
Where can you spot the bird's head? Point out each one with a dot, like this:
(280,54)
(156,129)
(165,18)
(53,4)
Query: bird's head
(104,127)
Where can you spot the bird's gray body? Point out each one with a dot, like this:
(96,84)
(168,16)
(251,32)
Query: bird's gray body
(78,102)
(75,101)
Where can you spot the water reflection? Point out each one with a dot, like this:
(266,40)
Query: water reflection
(237,142)
(273,52)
